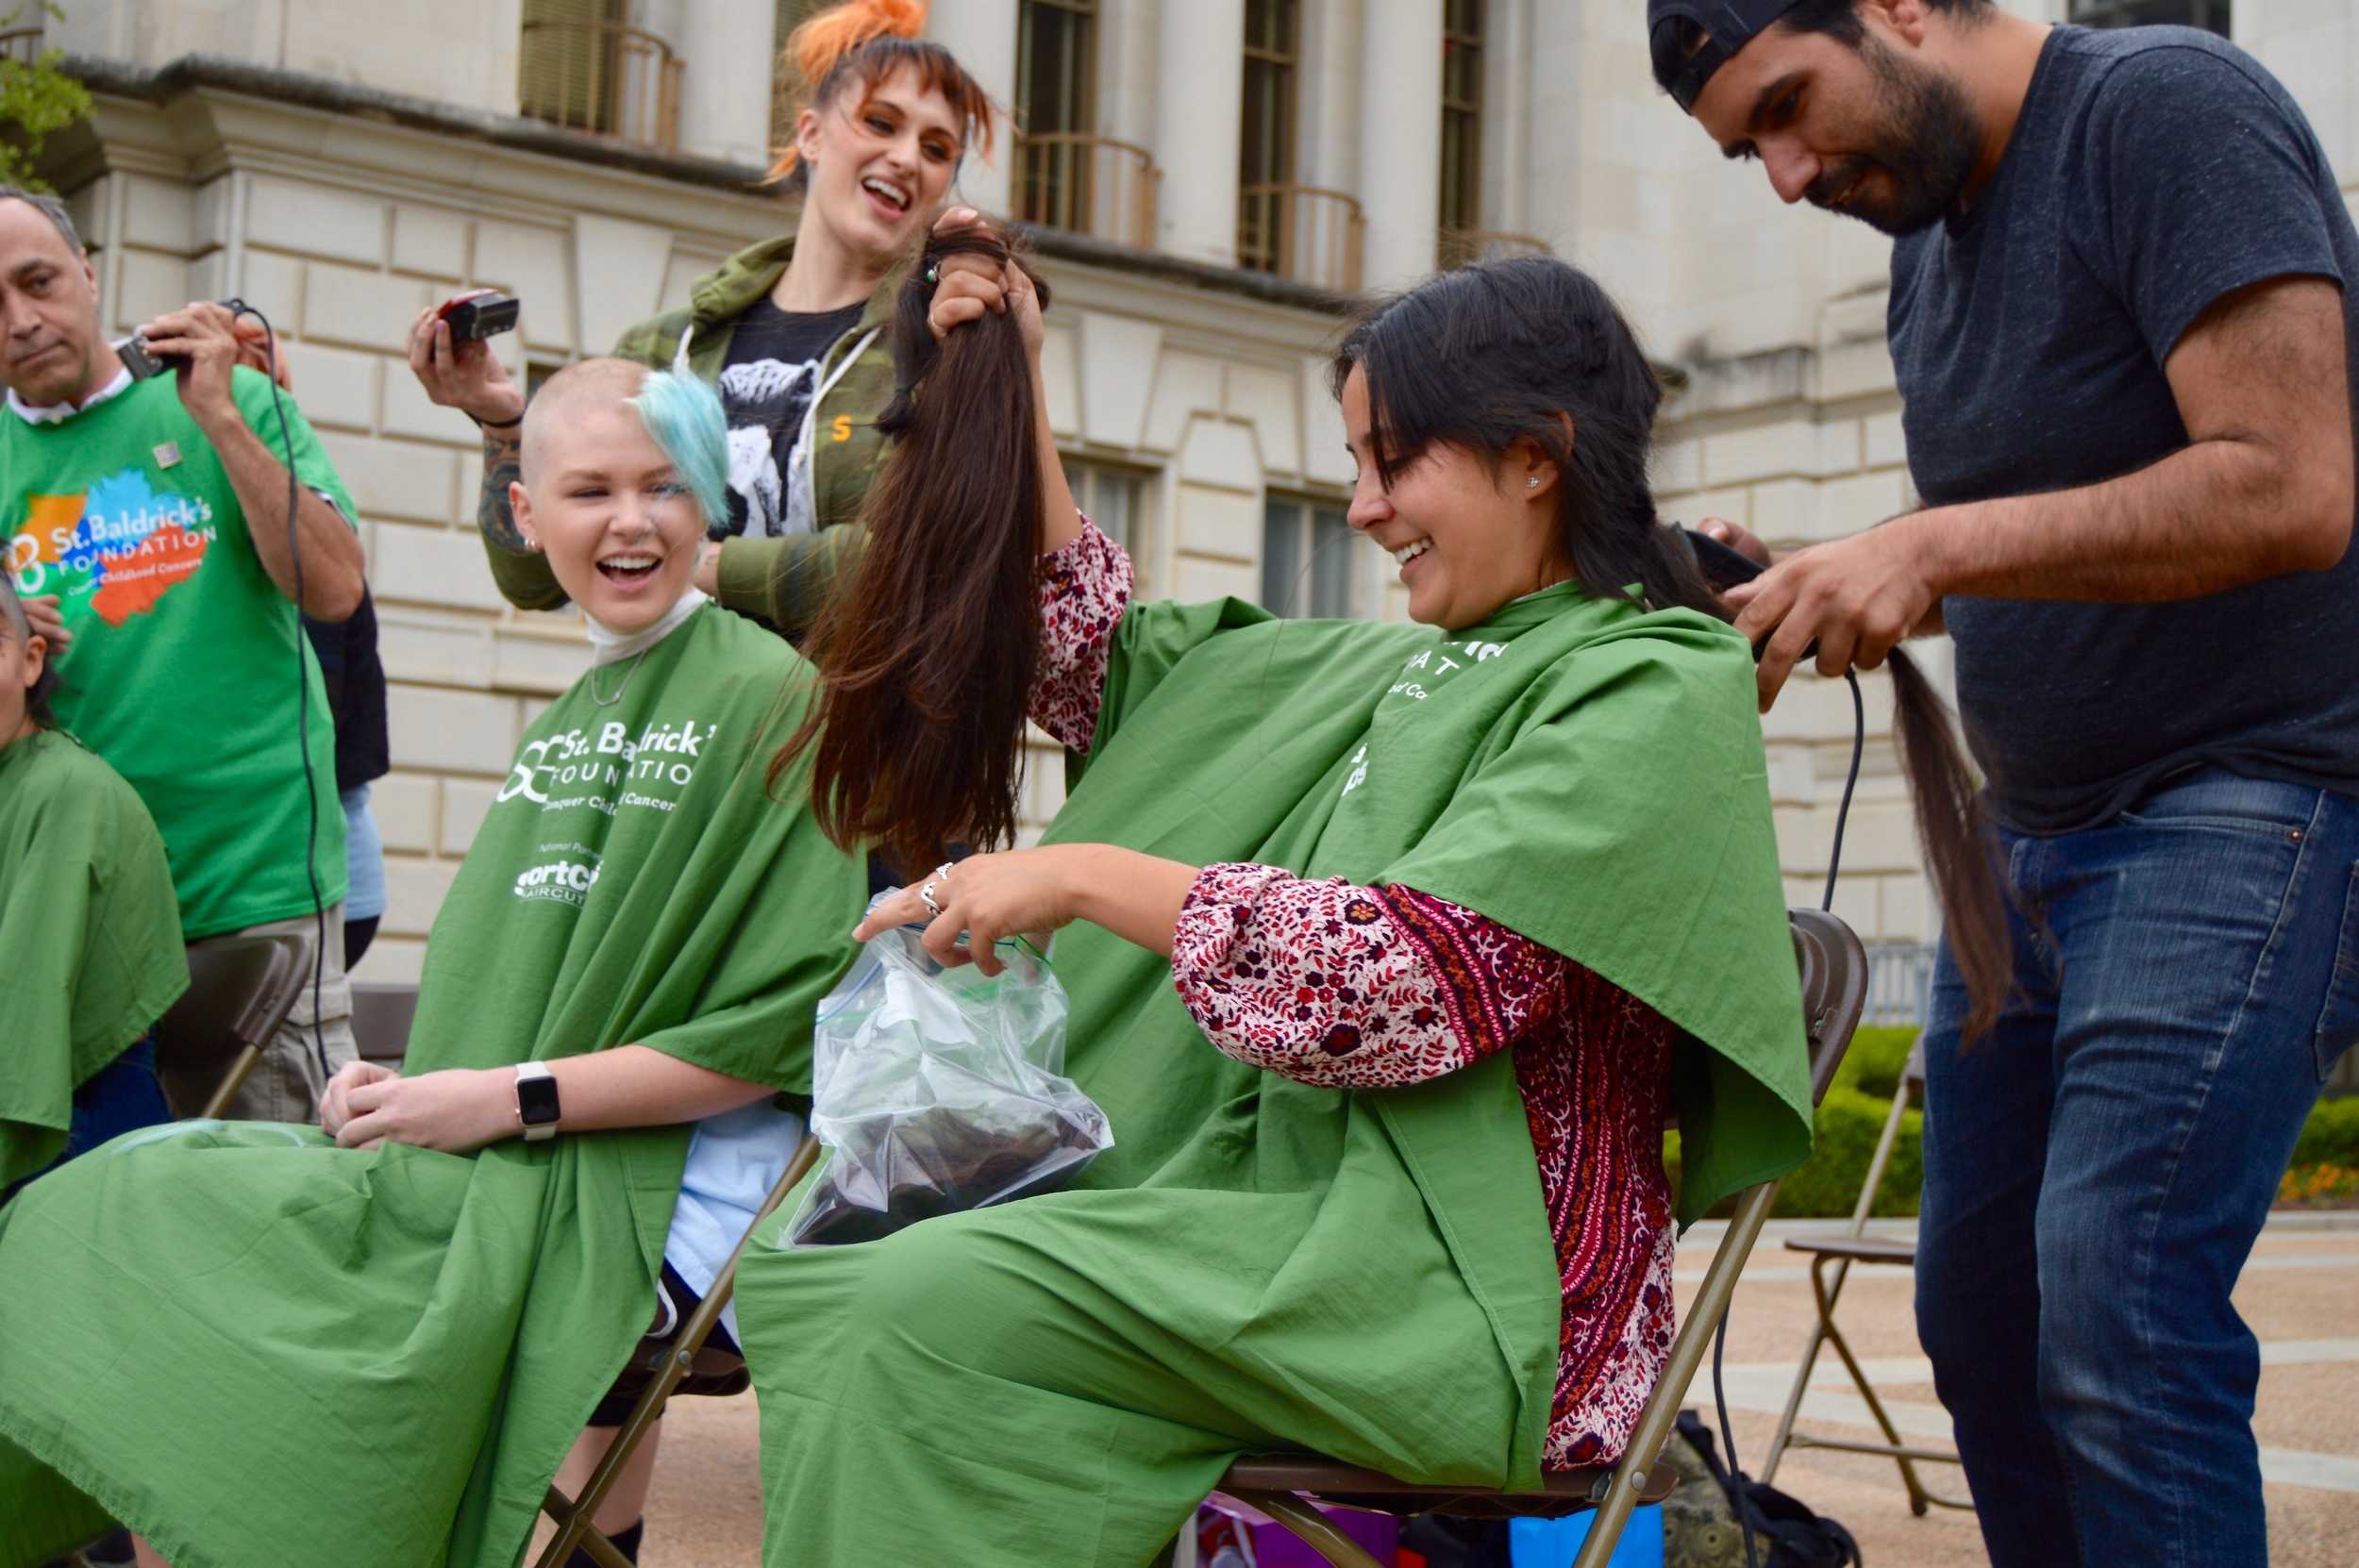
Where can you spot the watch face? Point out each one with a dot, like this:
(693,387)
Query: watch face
(536,1101)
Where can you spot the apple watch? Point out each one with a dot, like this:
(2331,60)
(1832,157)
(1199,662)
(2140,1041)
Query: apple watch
(536,1100)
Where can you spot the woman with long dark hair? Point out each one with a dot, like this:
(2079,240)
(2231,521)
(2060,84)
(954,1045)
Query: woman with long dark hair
(1389,949)
(789,332)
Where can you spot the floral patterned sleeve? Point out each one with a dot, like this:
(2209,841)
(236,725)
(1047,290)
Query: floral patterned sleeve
(1084,588)
(1353,987)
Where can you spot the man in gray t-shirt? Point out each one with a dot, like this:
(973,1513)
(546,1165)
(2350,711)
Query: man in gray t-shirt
(2124,348)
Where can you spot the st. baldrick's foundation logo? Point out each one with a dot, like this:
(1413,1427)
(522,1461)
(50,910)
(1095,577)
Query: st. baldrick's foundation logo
(661,755)
(118,546)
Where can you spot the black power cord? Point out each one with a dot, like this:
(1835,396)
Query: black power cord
(302,691)
(1825,902)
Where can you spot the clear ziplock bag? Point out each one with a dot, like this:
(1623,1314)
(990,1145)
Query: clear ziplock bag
(936,1091)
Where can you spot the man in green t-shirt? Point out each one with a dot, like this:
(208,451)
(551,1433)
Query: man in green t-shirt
(145,524)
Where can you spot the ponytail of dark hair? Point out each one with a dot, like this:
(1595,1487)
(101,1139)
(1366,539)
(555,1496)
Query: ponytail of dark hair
(1533,349)
(927,653)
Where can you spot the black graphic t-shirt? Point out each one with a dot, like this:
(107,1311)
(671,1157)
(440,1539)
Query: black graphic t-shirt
(767,382)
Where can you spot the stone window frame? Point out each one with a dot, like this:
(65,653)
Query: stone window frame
(1311,561)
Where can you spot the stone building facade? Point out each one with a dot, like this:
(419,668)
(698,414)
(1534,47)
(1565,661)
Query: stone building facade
(1206,203)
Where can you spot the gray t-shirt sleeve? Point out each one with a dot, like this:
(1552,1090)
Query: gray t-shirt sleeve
(2204,180)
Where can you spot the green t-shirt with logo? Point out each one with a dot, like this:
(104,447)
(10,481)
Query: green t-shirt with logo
(185,656)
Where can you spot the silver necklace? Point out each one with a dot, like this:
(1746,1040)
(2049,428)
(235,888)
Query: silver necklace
(608,702)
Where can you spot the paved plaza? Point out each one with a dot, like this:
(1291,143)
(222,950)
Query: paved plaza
(2301,1294)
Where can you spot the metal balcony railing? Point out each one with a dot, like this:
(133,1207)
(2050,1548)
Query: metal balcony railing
(1302,232)
(1899,982)
(601,77)
(1088,184)
(22,45)
(1459,246)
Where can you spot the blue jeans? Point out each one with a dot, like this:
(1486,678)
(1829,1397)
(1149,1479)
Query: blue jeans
(122,1097)
(2098,1167)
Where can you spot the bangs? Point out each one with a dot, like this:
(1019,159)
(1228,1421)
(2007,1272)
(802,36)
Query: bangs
(868,67)
(1415,400)
(684,417)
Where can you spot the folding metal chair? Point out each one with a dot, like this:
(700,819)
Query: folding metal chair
(381,1016)
(1834,992)
(679,1359)
(1853,1245)
(241,990)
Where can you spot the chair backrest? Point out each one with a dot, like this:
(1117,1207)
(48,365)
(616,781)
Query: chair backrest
(241,989)
(1834,990)
(381,1016)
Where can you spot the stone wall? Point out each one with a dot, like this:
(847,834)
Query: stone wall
(342,224)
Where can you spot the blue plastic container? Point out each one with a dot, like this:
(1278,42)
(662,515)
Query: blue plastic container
(1551,1542)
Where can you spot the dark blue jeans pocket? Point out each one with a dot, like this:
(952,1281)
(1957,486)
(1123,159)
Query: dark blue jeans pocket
(2338,1020)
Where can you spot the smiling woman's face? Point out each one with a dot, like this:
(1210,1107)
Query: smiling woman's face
(605,504)
(880,162)
(1467,539)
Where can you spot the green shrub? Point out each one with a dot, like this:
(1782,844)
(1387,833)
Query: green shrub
(1873,1064)
(2331,1136)
(1828,1184)
(1853,1117)
(1848,1126)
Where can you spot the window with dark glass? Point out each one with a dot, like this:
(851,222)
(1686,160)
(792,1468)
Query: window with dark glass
(1266,149)
(1056,82)
(1115,500)
(1310,557)
(2211,15)
(568,72)
(1462,116)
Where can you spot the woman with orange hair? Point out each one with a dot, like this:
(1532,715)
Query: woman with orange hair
(790,331)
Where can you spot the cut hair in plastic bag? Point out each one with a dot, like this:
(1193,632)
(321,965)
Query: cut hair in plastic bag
(936,1091)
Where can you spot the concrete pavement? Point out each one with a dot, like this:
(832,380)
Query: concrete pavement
(2301,1294)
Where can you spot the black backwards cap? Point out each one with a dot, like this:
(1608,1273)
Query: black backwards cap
(1728,26)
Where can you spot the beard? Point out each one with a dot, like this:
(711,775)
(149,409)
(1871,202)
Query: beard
(1926,141)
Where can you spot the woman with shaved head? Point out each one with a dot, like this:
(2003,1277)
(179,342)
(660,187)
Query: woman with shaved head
(390,1330)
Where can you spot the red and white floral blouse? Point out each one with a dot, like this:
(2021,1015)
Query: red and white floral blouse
(1378,987)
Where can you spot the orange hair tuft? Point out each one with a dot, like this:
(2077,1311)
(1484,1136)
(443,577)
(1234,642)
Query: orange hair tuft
(872,38)
(819,45)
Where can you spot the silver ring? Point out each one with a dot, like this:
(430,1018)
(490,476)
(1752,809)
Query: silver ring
(926,896)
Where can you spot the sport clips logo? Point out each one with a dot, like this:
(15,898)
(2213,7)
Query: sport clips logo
(560,881)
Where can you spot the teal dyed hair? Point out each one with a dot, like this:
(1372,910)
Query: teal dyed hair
(684,417)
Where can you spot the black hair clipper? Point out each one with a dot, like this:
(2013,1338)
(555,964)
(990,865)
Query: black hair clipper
(480,316)
(143,362)
(1723,568)
(136,358)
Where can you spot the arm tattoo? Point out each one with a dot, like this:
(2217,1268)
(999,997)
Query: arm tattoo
(503,465)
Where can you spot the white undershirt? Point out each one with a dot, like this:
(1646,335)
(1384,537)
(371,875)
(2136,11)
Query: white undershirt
(607,644)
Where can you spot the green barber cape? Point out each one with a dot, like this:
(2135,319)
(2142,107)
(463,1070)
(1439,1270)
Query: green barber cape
(1260,1263)
(1580,770)
(254,1347)
(90,931)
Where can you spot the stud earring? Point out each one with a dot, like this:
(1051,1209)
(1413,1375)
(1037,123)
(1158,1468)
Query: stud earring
(1532,484)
